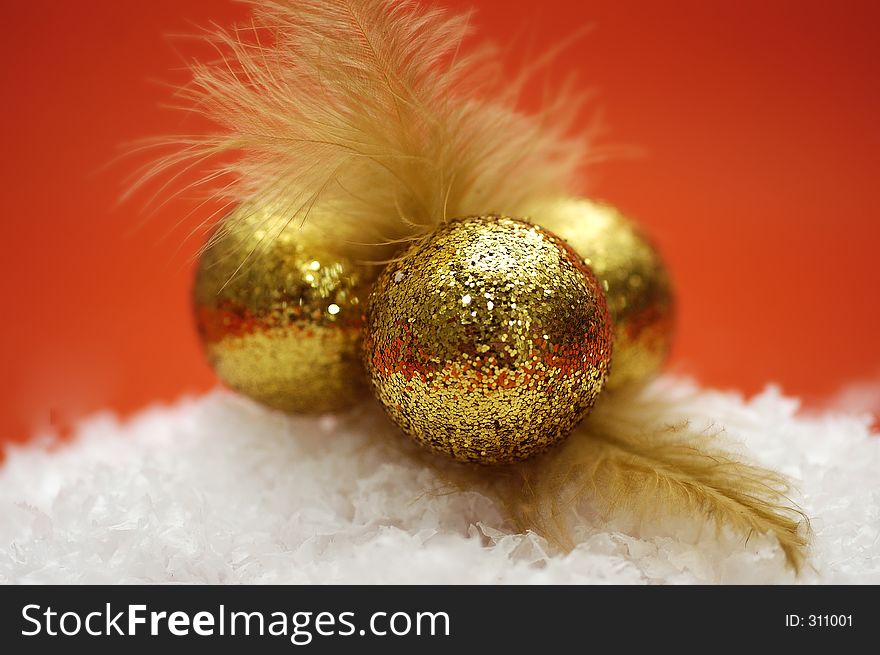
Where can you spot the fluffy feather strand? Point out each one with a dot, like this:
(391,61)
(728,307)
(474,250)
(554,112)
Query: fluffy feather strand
(372,111)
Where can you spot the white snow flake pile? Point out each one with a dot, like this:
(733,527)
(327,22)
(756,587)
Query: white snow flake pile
(218,490)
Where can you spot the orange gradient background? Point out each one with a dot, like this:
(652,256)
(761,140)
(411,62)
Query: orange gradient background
(759,123)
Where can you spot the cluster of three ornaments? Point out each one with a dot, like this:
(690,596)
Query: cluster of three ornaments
(488,339)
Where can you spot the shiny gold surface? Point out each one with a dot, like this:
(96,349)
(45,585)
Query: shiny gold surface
(636,282)
(280,313)
(487,341)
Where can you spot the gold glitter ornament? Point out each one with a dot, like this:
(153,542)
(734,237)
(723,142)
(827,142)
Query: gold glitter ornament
(488,340)
(637,284)
(279,312)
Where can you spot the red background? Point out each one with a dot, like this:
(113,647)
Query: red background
(759,123)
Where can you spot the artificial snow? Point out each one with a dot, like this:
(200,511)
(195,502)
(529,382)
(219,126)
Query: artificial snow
(218,490)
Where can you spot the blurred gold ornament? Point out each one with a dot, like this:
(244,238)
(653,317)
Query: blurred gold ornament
(279,312)
(636,282)
(488,340)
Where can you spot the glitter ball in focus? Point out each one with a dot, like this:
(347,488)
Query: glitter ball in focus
(488,340)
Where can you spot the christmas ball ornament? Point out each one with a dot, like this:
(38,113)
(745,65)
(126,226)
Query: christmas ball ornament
(636,282)
(279,312)
(487,340)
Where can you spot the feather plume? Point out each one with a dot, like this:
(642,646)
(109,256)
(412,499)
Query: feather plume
(374,112)
(632,457)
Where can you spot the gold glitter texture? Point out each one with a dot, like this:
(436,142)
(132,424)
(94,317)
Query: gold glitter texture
(488,340)
(636,282)
(279,313)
